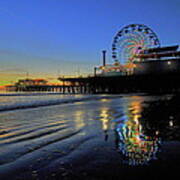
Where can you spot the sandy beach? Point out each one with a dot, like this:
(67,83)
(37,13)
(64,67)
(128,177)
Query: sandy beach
(94,137)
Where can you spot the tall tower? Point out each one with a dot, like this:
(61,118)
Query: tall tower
(104,57)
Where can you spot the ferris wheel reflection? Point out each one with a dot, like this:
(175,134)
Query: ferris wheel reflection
(135,147)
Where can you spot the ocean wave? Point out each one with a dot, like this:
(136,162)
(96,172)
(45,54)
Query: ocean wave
(29,94)
(50,102)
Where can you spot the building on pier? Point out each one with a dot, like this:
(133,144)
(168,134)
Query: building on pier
(141,64)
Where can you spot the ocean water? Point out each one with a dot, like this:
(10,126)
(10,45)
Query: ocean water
(45,136)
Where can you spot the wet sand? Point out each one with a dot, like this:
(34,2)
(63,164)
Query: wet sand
(83,140)
(94,160)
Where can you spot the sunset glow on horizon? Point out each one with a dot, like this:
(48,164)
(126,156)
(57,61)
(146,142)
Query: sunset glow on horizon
(49,38)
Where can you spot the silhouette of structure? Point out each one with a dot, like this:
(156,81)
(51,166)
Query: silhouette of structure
(140,65)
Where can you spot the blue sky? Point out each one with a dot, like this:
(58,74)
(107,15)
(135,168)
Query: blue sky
(44,37)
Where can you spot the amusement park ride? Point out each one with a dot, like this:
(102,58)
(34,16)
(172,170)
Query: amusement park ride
(133,45)
(140,65)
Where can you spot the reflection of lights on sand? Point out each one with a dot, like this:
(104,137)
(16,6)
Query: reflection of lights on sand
(136,107)
(157,132)
(133,144)
(78,103)
(169,62)
(171,123)
(79,119)
(104,100)
(105,119)
(136,118)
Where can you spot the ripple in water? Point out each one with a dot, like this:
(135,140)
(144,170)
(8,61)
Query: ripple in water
(135,147)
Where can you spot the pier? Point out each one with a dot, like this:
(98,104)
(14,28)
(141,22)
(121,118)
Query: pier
(138,68)
(145,83)
(156,83)
(64,89)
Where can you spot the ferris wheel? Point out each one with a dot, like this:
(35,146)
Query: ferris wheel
(132,40)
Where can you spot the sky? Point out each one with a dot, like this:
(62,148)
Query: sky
(47,38)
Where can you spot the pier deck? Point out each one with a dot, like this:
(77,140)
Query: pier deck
(169,82)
